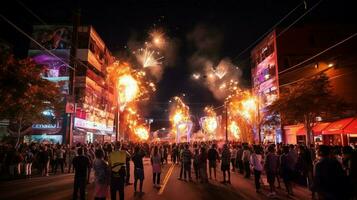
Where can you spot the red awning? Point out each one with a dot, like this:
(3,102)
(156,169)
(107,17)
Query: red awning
(351,128)
(301,131)
(317,129)
(337,126)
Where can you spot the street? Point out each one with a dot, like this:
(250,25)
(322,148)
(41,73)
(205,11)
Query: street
(60,187)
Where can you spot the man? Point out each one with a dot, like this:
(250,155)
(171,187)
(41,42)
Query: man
(138,167)
(117,162)
(226,156)
(212,160)
(80,165)
(271,168)
(186,160)
(233,157)
(245,159)
(329,180)
(239,161)
(59,158)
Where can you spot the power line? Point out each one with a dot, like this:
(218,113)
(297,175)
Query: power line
(33,40)
(269,30)
(318,54)
(298,19)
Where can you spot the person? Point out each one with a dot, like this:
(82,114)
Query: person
(80,165)
(59,158)
(271,165)
(28,163)
(212,160)
(286,170)
(186,160)
(44,159)
(225,164)
(245,159)
(102,176)
(233,158)
(156,166)
(239,161)
(196,164)
(90,158)
(174,153)
(70,156)
(329,180)
(203,165)
(138,168)
(127,165)
(256,163)
(117,162)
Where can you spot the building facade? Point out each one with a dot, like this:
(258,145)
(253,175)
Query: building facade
(94,116)
(279,60)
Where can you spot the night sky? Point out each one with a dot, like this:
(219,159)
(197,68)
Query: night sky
(236,23)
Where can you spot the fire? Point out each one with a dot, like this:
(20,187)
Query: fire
(128,88)
(210,122)
(179,116)
(234,129)
(148,57)
(141,132)
(242,104)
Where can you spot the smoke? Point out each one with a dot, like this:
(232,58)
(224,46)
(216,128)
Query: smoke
(209,68)
(160,57)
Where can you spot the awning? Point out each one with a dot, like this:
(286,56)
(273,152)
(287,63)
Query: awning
(351,128)
(317,129)
(337,126)
(301,131)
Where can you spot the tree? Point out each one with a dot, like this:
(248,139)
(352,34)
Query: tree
(25,95)
(304,101)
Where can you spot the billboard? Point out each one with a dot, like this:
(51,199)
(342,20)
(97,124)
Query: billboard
(52,37)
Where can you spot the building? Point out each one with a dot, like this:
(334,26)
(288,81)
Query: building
(282,59)
(94,116)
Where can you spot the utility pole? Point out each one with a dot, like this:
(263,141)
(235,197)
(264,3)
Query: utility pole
(226,121)
(72,75)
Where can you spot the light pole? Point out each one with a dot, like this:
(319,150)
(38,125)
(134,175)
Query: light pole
(226,106)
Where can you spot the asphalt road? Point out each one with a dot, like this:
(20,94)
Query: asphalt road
(60,187)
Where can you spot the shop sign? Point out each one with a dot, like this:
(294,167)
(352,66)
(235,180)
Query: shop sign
(44,126)
(82,123)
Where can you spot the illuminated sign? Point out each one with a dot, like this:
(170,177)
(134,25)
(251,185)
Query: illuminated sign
(45,126)
(82,123)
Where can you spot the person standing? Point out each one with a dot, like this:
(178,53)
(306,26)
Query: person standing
(271,165)
(70,156)
(212,160)
(203,165)
(156,166)
(225,164)
(233,158)
(239,160)
(245,159)
(102,176)
(138,168)
(44,159)
(28,163)
(286,171)
(186,160)
(329,180)
(80,165)
(196,164)
(117,161)
(256,161)
(59,152)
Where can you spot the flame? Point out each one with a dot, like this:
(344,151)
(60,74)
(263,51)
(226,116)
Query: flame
(179,115)
(242,104)
(128,88)
(234,129)
(210,122)
(148,57)
(141,132)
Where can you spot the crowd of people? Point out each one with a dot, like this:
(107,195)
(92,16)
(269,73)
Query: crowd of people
(328,171)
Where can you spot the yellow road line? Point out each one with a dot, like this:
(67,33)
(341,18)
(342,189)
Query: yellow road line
(166,179)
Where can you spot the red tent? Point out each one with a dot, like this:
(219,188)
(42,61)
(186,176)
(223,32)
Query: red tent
(337,126)
(351,128)
(317,129)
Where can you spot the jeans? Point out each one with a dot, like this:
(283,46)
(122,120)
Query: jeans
(156,178)
(257,175)
(80,184)
(59,161)
(247,169)
(187,170)
(117,184)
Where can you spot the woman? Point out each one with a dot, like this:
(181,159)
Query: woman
(101,174)
(256,162)
(285,171)
(156,166)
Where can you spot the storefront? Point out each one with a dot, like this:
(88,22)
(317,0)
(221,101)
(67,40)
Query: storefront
(351,132)
(334,133)
(45,133)
(291,133)
(90,132)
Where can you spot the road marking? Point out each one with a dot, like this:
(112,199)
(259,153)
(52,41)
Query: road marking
(166,179)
